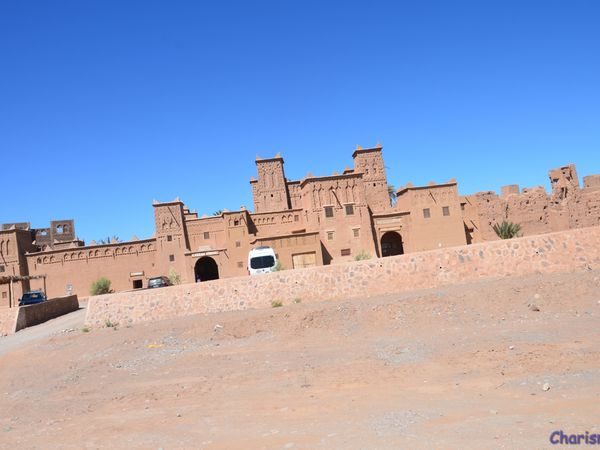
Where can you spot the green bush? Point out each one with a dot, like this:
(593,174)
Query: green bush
(276,303)
(297,300)
(278,266)
(507,230)
(362,256)
(100,286)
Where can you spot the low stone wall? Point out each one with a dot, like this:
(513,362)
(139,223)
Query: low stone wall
(8,320)
(549,253)
(35,314)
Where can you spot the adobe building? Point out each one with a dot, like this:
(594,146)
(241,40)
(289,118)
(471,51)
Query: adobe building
(314,221)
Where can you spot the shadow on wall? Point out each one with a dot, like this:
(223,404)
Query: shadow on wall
(326,255)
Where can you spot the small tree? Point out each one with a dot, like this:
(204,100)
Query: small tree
(100,286)
(174,277)
(278,266)
(507,230)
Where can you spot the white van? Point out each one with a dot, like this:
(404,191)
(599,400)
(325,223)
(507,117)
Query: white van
(261,260)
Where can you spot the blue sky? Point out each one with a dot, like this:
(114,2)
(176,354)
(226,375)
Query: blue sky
(107,105)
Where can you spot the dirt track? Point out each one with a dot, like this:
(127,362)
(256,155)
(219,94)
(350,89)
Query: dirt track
(459,367)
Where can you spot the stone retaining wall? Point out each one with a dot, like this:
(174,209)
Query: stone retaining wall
(8,318)
(15,319)
(549,253)
(41,312)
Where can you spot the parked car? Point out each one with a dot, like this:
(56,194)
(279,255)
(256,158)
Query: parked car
(157,282)
(261,260)
(32,297)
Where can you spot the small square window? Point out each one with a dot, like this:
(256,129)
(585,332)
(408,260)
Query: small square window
(356,232)
(169,238)
(296,218)
(240,264)
(4,295)
(346,252)
(426,213)
(236,223)
(462,206)
(446,210)
(238,244)
(330,235)
(329,211)
(2,269)
(171,258)
(206,235)
(349,210)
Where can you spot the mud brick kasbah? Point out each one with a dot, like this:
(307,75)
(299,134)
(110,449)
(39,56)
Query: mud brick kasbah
(318,220)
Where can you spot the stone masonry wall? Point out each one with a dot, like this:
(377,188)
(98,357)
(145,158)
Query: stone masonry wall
(549,253)
(41,312)
(8,317)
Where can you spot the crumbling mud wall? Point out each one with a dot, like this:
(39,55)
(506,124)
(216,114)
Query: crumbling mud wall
(568,206)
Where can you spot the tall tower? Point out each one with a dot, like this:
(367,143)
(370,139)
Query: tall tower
(369,162)
(270,191)
(171,237)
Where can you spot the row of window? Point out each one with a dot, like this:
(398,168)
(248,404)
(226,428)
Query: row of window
(331,234)
(427,212)
(329,210)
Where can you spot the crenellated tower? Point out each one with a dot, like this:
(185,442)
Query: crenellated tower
(270,191)
(369,162)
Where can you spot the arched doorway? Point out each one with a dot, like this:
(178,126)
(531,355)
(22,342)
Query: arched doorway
(206,269)
(391,244)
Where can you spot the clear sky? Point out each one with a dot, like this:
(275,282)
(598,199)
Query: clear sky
(107,105)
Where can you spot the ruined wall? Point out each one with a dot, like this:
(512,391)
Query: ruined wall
(566,207)
(551,253)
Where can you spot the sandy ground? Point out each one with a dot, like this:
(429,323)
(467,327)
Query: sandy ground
(458,367)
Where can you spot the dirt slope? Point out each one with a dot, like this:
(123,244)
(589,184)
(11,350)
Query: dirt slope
(459,367)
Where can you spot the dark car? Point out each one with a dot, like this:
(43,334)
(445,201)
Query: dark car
(157,282)
(32,297)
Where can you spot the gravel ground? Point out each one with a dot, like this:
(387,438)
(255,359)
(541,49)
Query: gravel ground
(469,366)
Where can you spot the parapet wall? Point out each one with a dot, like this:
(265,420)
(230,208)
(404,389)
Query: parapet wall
(41,312)
(556,252)
(15,319)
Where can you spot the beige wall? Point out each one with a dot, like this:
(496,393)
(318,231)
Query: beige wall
(437,230)
(80,267)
